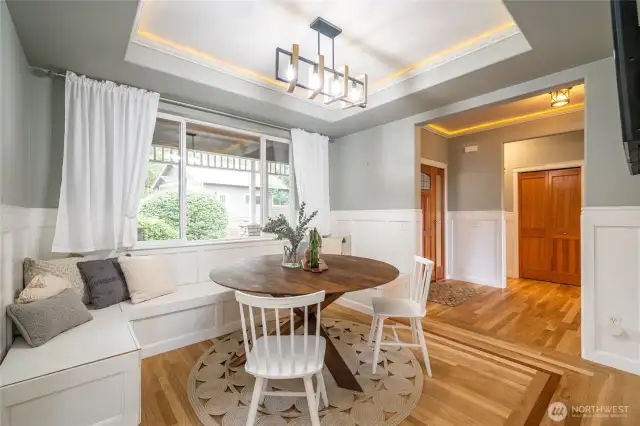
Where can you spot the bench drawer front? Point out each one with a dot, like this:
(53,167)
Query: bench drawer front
(102,393)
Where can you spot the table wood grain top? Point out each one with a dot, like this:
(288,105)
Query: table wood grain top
(264,274)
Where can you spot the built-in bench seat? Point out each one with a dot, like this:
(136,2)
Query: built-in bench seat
(86,376)
(188,296)
(194,313)
(90,374)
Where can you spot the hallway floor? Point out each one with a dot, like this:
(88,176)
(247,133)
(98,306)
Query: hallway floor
(532,312)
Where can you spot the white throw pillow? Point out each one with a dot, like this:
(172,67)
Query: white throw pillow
(43,286)
(147,277)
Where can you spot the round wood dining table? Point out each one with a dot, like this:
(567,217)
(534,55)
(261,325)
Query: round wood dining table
(265,275)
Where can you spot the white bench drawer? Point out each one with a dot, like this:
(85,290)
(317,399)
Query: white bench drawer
(105,393)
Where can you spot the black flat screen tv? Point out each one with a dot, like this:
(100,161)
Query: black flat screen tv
(626,43)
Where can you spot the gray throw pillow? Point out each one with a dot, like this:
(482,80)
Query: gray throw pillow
(105,282)
(44,319)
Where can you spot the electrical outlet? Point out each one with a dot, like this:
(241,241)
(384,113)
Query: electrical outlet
(615,327)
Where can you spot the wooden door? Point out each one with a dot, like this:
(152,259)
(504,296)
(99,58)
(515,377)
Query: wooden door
(565,201)
(432,186)
(549,225)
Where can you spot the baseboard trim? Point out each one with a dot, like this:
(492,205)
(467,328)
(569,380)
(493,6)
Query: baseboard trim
(476,280)
(187,339)
(613,361)
(356,306)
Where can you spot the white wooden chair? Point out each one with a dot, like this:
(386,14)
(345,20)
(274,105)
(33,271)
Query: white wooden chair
(413,307)
(283,356)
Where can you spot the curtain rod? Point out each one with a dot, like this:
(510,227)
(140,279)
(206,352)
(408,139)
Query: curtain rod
(187,105)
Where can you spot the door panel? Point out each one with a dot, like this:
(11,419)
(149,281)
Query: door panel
(549,205)
(426,225)
(532,213)
(564,225)
(439,228)
(432,187)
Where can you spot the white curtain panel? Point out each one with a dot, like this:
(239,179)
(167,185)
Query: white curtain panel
(107,139)
(311,165)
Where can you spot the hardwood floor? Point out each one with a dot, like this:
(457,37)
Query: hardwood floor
(533,312)
(498,359)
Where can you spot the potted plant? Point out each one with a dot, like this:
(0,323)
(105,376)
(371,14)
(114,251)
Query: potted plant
(280,227)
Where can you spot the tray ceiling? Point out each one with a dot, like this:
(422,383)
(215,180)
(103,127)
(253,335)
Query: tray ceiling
(390,41)
(487,118)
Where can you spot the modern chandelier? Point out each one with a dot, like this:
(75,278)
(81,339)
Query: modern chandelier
(316,77)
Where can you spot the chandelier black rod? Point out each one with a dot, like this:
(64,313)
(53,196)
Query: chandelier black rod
(333,53)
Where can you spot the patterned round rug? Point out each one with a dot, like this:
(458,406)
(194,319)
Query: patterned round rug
(221,394)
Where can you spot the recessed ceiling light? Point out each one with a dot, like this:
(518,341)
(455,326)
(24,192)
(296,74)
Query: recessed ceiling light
(560,97)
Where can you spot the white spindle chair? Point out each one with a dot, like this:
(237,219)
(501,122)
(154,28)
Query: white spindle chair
(414,307)
(283,356)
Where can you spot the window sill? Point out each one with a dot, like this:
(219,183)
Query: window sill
(176,244)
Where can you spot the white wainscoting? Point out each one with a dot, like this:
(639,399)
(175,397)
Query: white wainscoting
(611,286)
(511,245)
(192,263)
(15,247)
(391,236)
(476,249)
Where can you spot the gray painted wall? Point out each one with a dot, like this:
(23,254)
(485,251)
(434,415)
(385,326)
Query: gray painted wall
(433,147)
(538,152)
(47,140)
(476,178)
(14,113)
(375,169)
(607,180)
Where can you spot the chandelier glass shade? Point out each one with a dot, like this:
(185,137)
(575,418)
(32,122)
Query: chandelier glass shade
(335,85)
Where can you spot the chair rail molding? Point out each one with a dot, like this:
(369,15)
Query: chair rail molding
(477,247)
(611,286)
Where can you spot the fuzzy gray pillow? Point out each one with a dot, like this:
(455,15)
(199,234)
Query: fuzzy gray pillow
(42,320)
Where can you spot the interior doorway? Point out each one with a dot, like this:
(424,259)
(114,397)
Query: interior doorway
(432,203)
(548,208)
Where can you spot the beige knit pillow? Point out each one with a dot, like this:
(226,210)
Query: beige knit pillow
(62,268)
(147,277)
(43,286)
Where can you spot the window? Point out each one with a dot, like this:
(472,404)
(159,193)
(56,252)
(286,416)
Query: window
(159,214)
(247,198)
(222,198)
(279,180)
(200,180)
(425,181)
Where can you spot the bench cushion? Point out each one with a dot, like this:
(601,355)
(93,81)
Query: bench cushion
(186,297)
(108,335)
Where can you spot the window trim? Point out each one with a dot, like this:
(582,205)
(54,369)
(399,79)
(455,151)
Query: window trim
(182,149)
